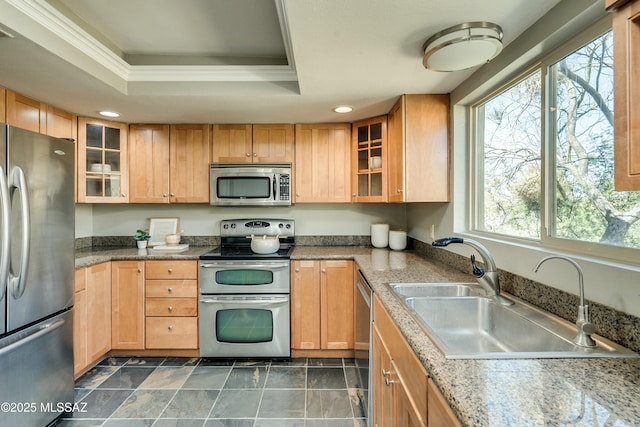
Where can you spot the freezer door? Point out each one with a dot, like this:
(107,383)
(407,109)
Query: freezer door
(36,373)
(41,183)
(4,223)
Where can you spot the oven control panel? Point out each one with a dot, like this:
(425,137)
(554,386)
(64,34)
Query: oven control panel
(258,227)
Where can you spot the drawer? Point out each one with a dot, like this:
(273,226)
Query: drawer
(171,307)
(80,279)
(171,269)
(171,332)
(187,288)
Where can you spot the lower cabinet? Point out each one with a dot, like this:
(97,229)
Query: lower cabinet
(127,305)
(171,305)
(404,396)
(92,315)
(322,305)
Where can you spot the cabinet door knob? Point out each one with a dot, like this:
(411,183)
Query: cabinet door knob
(248,154)
(172,194)
(385,373)
(124,194)
(388,382)
(297,270)
(255,154)
(170,309)
(169,290)
(170,270)
(297,194)
(324,270)
(170,328)
(399,190)
(164,194)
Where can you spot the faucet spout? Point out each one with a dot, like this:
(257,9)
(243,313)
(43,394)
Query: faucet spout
(583,322)
(487,278)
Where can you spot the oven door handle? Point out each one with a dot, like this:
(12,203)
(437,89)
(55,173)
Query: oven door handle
(246,301)
(247,265)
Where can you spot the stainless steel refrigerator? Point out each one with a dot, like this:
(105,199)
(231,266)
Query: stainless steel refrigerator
(36,276)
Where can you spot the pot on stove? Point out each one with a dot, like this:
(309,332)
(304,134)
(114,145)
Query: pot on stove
(265,244)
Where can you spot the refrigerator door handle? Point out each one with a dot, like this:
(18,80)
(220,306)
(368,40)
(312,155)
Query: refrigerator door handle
(5,254)
(18,182)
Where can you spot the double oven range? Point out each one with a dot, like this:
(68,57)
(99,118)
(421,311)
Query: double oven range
(245,297)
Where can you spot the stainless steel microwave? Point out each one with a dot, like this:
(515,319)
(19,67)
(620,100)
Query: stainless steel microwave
(250,184)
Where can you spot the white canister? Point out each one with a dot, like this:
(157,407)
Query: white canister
(397,240)
(379,235)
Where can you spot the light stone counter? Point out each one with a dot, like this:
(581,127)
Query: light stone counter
(483,393)
(499,393)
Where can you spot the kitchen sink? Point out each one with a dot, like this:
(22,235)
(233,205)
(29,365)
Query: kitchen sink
(466,325)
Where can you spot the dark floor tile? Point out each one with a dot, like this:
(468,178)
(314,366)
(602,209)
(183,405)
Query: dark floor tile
(215,362)
(114,361)
(191,403)
(282,404)
(102,403)
(246,377)
(94,377)
(236,404)
(145,361)
(118,422)
(286,377)
(349,362)
(326,378)
(167,377)
(328,404)
(280,422)
(179,422)
(294,361)
(251,362)
(127,377)
(229,423)
(359,402)
(145,404)
(180,361)
(207,377)
(356,377)
(325,362)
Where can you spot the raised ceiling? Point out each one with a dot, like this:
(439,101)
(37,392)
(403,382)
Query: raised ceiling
(235,61)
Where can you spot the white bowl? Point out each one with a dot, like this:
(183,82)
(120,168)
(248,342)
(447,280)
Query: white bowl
(172,239)
(375,162)
(99,167)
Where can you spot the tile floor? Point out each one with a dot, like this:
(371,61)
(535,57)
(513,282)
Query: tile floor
(163,392)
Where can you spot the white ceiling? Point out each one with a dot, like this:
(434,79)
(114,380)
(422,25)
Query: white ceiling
(235,61)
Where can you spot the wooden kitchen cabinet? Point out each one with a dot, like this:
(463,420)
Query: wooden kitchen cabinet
(127,305)
(626,55)
(323,163)
(260,143)
(418,149)
(26,113)
(98,285)
(369,160)
(148,163)
(322,306)
(189,164)
(102,169)
(400,380)
(61,124)
(439,414)
(80,354)
(171,305)
(3,105)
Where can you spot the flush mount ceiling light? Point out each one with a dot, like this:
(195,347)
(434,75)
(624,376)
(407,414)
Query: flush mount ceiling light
(343,109)
(462,46)
(111,114)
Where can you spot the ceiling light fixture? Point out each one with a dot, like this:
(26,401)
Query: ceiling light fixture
(343,109)
(462,46)
(111,114)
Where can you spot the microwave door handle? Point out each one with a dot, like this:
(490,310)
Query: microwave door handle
(275,180)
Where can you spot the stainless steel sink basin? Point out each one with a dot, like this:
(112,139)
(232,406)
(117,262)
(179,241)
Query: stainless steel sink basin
(435,289)
(465,325)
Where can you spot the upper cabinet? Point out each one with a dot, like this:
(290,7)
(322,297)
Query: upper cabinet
(626,30)
(33,115)
(102,161)
(322,166)
(418,149)
(369,160)
(253,143)
(169,164)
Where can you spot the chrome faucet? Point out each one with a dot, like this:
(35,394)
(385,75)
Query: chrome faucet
(487,277)
(585,327)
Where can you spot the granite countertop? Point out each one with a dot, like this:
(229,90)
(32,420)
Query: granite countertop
(88,257)
(486,393)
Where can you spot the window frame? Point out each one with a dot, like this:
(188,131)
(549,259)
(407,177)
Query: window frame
(547,152)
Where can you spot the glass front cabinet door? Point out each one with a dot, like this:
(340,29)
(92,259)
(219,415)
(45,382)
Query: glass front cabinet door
(102,161)
(369,170)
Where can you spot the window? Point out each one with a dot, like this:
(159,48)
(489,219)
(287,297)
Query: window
(576,197)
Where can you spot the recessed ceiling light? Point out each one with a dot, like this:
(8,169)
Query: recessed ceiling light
(343,109)
(111,114)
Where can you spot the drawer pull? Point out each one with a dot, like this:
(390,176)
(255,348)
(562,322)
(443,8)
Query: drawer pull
(385,373)
(170,309)
(170,270)
(170,327)
(388,382)
(169,290)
